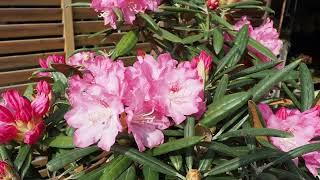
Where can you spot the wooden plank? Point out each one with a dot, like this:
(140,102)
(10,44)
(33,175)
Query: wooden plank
(30,14)
(31,45)
(15,77)
(68,34)
(23,61)
(30,30)
(85,27)
(19,87)
(80,13)
(30,3)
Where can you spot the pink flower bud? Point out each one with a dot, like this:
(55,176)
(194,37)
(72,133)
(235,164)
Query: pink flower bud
(6,171)
(213,4)
(203,64)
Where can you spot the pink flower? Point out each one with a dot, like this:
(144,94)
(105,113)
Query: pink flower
(6,171)
(79,59)
(203,64)
(303,125)
(96,102)
(20,119)
(53,59)
(213,4)
(266,34)
(128,8)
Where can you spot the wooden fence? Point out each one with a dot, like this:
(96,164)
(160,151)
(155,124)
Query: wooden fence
(33,29)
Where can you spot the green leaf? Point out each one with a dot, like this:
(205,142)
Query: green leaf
(176,145)
(221,88)
(256,68)
(26,165)
(79,4)
(129,174)
(295,153)
(174,133)
(23,153)
(176,160)
(168,36)
(283,174)
(235,163)
(241,42)
(193,38)
(28,92)
(147,160)
(217,19)
(189,132)
(62,160)
(126,43)
(61,142)
(60,83)
(227,150)
(206,162)
(94,174)
(267,83)
(224,107)
(256,132)
(218,40)
(262,49)
(179,9)
(4,156)
(152,24)
(307,88)
(291,95)
(116,167)
(149,174)
(241,3)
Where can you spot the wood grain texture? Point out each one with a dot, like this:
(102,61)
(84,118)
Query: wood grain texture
(19,87)
(15,77)
(29,14)
(29,3)
(68,33)
(30,45)
(31,30)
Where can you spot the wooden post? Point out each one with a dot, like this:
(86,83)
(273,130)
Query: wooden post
(67,20)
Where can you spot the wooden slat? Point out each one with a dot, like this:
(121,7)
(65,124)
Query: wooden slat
(30,30)
(15,77)
(85,14)
(29,2)
(84,40)
(68,33)
(81,27)
(32,45)
(23,61)
(29,14)
(19,87)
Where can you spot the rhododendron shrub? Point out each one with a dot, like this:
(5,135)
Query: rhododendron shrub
(173,98)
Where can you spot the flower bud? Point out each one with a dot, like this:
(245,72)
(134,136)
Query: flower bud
(203,64)
(213,4)
(193,174)
(6,171)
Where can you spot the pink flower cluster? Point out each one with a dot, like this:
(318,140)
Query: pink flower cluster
(143,99)
(53,59)
(303,125)
(266,35)
(128,8)
(22,120)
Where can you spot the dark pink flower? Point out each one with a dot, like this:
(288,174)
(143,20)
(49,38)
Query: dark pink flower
(203,64)
(20,119)
(213,4)
(303,125)
(53,59)
(6,171)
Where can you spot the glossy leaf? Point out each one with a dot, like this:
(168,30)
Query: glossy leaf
(23,153)
(256,132)
(149,174)
(61,142)
(218,40)
(307,88)
(129,174)
(189,131)
(94,174)
(221,88)
(126,43)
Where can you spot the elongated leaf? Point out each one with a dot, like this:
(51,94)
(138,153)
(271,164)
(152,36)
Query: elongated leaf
(189,131)
(149,174)
(227,150)
(80,4)
(126,43)
(241,161)
(176,160)
(169,36)
(149,21)
(193,38)
(224,107)
(283,174)
(291,96)
(176,145)
(26,165)
(147,160)
(218,40)
(61,142)
(267,83)
(241,42)
(4,156)
(217,19)
(94,174)
(116,167)
(23,153)
(256,132)
(129,174)
(206,162)
(173,133)
(261,49)
(256,68)
(179,9)
(307,88)
(257,119)
(221,88)
(63,159)
(28,92)
(296,153)
(241,3)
